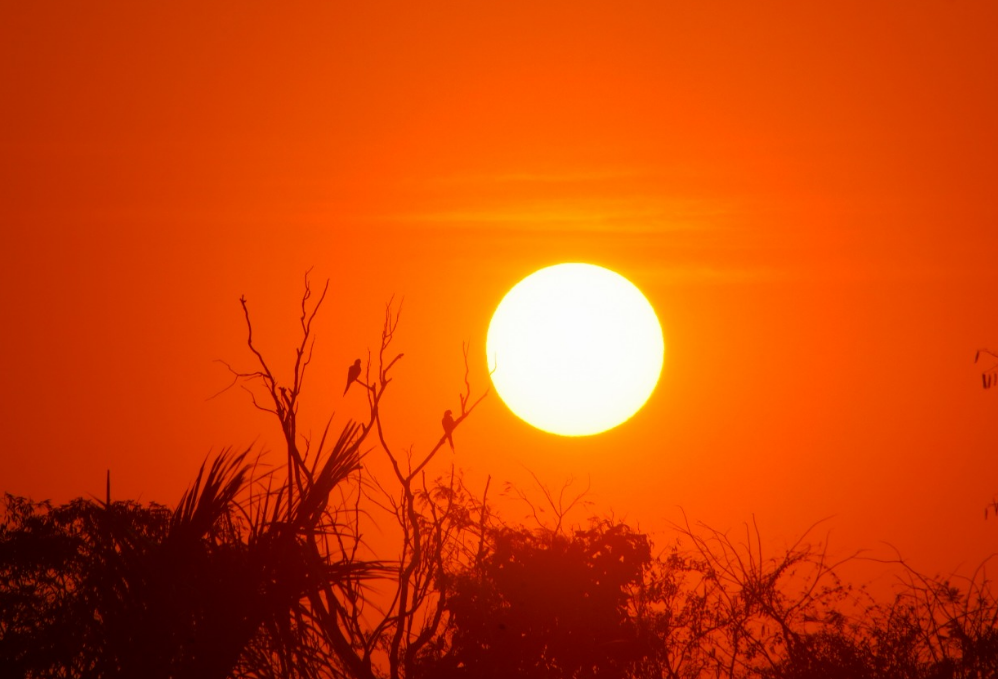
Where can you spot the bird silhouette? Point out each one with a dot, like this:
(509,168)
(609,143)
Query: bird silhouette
(352,374)
(448,423)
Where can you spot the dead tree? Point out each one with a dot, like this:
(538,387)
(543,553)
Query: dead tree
(436,522)
(325,517)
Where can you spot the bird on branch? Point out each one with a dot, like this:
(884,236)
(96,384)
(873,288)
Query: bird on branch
(448,423)
(352,374)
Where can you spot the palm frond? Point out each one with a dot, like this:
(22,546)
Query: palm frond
(211,496)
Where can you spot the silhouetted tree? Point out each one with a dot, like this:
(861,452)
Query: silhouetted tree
(63,597)
(758,609)
(546,604)
(364,629)
(121,590)
(233,581)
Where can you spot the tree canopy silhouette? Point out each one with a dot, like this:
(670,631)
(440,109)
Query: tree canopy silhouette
(547,604)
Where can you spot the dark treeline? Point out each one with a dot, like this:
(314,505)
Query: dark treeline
(266,572)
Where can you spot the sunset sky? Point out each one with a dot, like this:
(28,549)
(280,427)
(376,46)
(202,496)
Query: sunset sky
(806,193)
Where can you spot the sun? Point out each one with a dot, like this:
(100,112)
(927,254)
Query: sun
(575,349)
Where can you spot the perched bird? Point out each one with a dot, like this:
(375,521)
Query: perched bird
(352,374)
(448,423)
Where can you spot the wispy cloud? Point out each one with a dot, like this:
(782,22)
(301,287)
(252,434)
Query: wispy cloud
(619,214)
(563,177)
(622,200)
(575,217)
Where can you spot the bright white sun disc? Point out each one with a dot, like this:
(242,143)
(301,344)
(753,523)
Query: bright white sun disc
(575,349)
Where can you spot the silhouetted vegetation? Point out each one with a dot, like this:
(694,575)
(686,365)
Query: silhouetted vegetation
(546,604)
(989,376)
(263,572)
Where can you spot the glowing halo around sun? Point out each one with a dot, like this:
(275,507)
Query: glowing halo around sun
(575,349)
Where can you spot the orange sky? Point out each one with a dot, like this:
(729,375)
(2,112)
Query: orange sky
(806,195)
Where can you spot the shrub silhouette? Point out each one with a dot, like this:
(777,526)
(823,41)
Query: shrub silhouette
(546,604)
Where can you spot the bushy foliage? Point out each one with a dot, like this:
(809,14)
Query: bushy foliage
(93,589)
(546,604)
(65,573)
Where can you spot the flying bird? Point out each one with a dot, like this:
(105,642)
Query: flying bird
(352,374)
(448,423)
